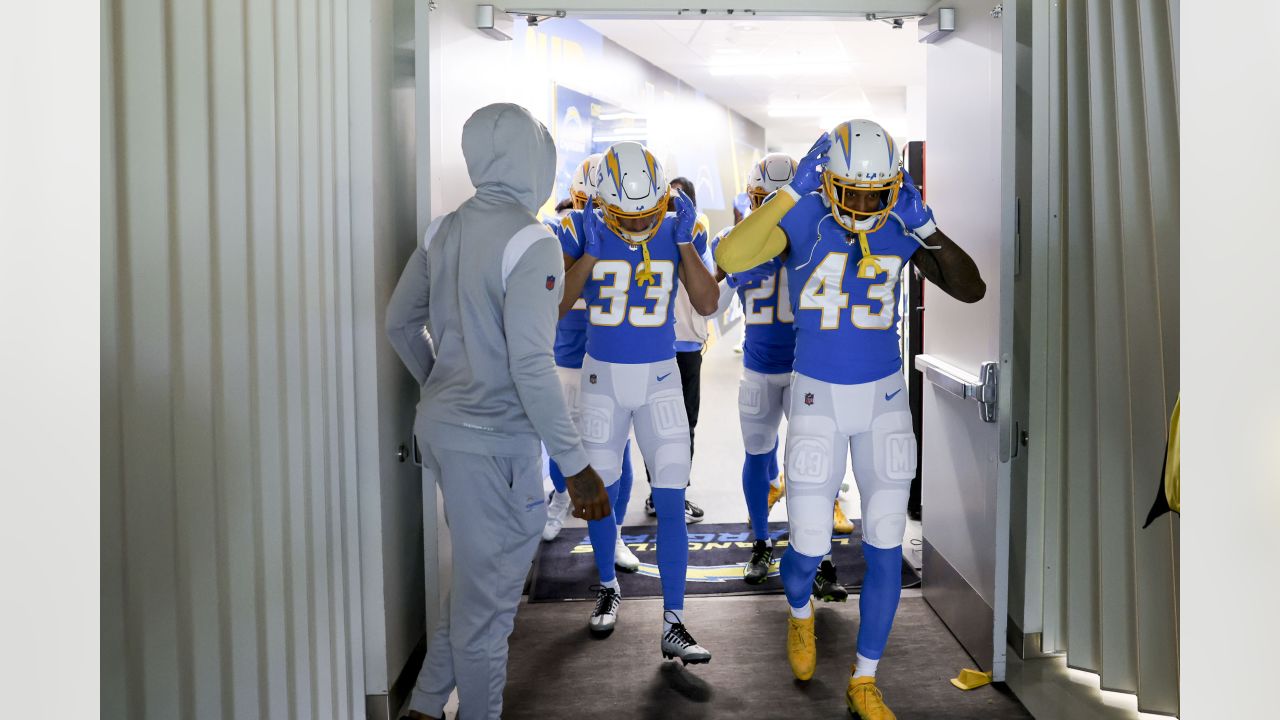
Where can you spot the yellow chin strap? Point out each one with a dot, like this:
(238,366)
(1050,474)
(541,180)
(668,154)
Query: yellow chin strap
(645,275)
(867,259)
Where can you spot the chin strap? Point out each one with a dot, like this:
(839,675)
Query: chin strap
(867,259)
(645,275)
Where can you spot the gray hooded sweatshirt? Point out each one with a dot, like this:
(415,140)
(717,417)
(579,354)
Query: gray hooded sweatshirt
(474,314)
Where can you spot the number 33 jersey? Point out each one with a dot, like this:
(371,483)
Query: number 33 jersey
(846,310)
(628,322)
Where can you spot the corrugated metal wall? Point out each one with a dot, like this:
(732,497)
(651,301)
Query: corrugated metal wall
(230,548)
(1107,157)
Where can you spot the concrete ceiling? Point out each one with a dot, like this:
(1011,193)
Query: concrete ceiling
(793,77)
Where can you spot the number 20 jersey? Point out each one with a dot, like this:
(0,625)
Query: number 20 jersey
(769,338)
(629,323)
(846,315)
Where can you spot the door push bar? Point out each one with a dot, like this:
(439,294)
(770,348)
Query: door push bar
(981,389)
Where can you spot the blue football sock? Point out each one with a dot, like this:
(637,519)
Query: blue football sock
(673,545)
(604,536)
(755,488)
(624,487)
(557,477)
(773,462)
(798,571)
(881,589)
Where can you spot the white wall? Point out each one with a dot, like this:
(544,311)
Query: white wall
(470,70)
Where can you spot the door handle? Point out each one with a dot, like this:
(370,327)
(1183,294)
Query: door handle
(980,388)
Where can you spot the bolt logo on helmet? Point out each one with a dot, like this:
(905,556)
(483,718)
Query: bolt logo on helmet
(863,157)
(772,172)
(584,181)
(631,191)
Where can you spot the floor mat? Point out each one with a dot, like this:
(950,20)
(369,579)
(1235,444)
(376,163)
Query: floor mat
(565,569)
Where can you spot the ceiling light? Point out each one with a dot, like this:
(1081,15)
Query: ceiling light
(776,70)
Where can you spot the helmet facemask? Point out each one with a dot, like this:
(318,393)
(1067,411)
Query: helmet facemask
(839,191)
(616,219)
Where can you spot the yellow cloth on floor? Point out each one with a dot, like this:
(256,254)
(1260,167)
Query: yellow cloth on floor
(970,679)
(1172,475)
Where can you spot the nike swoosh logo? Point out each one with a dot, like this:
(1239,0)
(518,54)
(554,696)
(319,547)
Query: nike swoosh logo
(888,397)
(663,377)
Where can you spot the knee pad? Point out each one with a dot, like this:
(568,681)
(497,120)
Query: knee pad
(671,466)
(758,439)
(884,521)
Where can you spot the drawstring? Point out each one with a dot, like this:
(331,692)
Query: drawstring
(867,259)
(645,275)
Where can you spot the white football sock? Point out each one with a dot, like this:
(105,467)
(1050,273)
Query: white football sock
(667,615)
(802,613)
(865,666)
(613,584)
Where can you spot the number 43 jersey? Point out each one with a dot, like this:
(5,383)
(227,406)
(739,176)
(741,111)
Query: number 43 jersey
(846,309)
(627,322)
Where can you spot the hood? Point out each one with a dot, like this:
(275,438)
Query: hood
(510,155)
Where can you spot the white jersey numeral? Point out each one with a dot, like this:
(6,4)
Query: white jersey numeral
(756,315)
(614,292)
(659,292)
(883,293)
(615,279)
(823,292)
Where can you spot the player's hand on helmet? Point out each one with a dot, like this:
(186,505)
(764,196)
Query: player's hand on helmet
(686,217)
(808,175)
(593,229)
(587,495)
(753,276)
(910,210)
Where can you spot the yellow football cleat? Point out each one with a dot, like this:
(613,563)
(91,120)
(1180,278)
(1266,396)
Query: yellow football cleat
(802,646)
(842,525)
(865,700)
(776,493)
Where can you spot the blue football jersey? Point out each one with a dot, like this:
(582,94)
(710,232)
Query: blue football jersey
(846,312)
(571,331)
(626,322)
(769,337)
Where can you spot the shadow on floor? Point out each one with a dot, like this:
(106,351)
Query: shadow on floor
(556,670)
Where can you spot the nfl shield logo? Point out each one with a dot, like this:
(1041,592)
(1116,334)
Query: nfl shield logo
(808,398)
(592,379)
(551,282)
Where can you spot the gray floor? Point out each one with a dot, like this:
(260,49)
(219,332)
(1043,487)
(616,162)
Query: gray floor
(557,670)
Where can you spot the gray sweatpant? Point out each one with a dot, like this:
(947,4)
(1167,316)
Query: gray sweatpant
(495,511)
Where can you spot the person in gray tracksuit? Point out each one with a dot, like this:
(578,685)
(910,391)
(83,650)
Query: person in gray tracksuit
(473,318)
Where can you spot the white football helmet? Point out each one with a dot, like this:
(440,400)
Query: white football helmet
(631,191)
(584,181)
(863,156)
(771,173)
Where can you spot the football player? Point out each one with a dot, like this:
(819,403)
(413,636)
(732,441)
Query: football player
(571,346)
(634,256)
(764,392)
(845,226)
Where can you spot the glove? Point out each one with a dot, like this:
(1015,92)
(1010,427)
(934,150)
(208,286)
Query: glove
(754,276)
(809,170)
(593,229)
(911,212)
(686,218)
